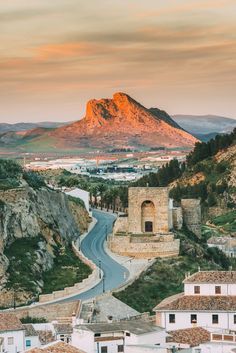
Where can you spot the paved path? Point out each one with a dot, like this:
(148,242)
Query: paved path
(93,248)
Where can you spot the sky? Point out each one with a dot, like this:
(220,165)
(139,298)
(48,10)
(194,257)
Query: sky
(178,55)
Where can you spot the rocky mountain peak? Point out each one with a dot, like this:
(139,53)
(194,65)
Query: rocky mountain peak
(122,121)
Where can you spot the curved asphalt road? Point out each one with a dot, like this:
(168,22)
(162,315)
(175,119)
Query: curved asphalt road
(93,248)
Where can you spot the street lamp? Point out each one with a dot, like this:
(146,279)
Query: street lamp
(100,270)
(103,284)
(106,232)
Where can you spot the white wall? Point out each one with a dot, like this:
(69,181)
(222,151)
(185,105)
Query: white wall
(145,349)
(18,339)
(83,340)
(216,348)
(112,346)
(149,338)
(34,341)
(204,319)
(81,194)
(209,289)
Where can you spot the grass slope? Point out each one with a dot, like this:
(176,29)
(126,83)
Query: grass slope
(23,274)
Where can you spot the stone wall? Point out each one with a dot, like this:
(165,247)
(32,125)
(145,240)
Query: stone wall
(61,312)
(191,209)
(159,197)
(177,216)
(143,247)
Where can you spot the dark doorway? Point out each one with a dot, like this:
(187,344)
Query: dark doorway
(148,227)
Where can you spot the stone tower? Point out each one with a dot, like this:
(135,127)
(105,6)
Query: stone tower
(191,209)
(149,210)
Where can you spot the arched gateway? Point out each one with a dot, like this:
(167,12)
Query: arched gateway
(148,210)
(147,216)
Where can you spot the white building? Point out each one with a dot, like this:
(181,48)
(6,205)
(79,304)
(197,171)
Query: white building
(80,194)
(12,334)
(63,332)
(209,300)
(115,337)
(31,337)
(225,244)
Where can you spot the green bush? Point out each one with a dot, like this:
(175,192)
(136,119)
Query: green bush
(34,180)
(33,320)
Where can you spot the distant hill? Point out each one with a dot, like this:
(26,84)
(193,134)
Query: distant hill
(5,127)
(202,125)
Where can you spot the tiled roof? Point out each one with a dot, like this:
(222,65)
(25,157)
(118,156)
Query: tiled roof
(29,330)
(192,336)
(9,322)
(212,277)
(137,327)
(198,303)
(63,328)
(45,336)
(58,347)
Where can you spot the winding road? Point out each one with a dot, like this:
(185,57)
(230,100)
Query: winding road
(93,248)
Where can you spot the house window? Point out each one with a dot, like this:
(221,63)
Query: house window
(97,334)
(10,340)
(217,289)
(193,319)
(215,319)
(104,349)
(127,334)
(234,319)
(196,289)
(120,348)
(28,343)
(172,318)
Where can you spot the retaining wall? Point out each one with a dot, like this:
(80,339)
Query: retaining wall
(125,246)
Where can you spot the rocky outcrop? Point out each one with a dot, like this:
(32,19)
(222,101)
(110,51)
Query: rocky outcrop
(122,121)
(27,213)
(43,213)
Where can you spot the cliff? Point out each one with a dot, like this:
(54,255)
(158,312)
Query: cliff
(35,225)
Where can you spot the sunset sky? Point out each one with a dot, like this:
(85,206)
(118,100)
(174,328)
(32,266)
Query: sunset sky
(178,55)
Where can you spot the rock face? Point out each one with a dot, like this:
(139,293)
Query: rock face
(44,213)
(121,122)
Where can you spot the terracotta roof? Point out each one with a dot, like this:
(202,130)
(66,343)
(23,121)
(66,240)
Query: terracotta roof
(198,303)
(9,322)
(29,330)
(192,336)
(63,328)
(137,327)
(45,336)
(212,277)
(57,347)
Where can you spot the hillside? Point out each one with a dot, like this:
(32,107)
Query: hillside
(5,127)
(199,125)
(37,226)
(210,174)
